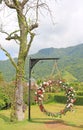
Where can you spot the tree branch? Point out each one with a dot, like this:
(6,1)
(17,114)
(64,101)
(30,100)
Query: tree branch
(37,11)
(10,5)
(24,2)
(33,26)
(18,5)
(15,36)
(4,32)
(31,39)
(0,1)
(9,56)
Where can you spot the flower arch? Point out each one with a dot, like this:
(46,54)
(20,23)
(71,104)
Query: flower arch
(69,91)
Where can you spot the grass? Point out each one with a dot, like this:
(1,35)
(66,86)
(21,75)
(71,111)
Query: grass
(39,121)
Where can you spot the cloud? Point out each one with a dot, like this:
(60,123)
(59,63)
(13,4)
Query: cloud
(68,28)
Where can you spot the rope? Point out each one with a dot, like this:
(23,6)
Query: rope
(55,66)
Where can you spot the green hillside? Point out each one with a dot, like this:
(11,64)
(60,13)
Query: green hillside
(68,76)
(70,64)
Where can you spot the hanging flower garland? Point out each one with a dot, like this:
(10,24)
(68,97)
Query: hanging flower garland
(70,94)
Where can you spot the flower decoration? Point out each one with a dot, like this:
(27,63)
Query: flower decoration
(70,94)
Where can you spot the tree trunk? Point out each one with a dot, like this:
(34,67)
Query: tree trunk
(20,66)
(19,90)
(18,104)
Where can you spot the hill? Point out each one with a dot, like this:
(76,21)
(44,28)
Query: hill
(70,63)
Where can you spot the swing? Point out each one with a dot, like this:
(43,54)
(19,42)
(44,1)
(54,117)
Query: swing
(69,91)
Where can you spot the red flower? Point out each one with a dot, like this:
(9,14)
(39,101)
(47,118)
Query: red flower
(39,91)
(41,107)
(73,100)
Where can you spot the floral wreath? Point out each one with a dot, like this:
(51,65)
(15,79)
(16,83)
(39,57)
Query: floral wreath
(70,94)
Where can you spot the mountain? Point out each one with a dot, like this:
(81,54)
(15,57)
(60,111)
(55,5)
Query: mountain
(70,63)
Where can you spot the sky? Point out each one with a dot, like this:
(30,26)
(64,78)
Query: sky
(63,29)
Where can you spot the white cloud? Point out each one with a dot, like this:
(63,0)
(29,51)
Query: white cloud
(68,30)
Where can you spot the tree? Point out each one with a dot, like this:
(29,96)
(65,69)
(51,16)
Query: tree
(24,37)
(1,77)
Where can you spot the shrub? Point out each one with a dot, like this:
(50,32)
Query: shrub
(79,100)
(4,101)
(60,98)
(80,93)
(49,97)
(2,104)
(32,97)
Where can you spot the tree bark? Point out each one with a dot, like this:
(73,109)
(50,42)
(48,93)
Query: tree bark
(19,91)
(20,66)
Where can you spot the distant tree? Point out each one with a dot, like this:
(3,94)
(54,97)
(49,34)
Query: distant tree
(24,37)
(1,77)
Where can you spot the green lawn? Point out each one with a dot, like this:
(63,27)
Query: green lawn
(39,121)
